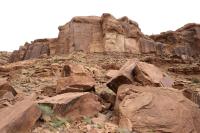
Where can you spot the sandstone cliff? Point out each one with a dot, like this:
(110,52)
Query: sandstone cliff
(88,34)
(107,34)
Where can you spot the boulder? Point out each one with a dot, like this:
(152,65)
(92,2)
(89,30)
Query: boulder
(74,105)
(156,109)
(75,83)
(19,118)
(75,78)
(73,69)
(5,88)
(143,73)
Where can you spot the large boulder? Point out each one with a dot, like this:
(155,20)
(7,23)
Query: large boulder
(19,118)
(75,78)
(143,73)
(156,109)
(74,105)
(75,83)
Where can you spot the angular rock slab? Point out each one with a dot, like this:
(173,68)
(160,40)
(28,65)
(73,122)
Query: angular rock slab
(74,105)
(20,118)
(75,83)
(140,72)
(157,109)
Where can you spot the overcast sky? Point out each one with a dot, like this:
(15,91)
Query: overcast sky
(26,20)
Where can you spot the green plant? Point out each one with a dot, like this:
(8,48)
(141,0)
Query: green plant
(57,123)
(87,120)
(46,109)
(99,126)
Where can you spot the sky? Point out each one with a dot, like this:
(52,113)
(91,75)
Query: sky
(26,20)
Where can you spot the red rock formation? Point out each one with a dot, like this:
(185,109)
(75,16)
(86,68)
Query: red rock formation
(87,34)
(183,41)
(108,34)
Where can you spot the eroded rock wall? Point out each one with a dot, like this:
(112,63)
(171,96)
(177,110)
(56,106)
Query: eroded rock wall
(107,34)
(87,34)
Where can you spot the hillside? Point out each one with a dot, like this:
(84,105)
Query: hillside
(103,75)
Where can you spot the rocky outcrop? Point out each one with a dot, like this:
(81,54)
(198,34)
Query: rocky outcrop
(184,41)
(4,57)
(87,34)
(141,109)
(107,34)
(31,50)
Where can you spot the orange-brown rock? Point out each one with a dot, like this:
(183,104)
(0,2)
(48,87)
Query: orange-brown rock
(87,34)
(111,73)
(183,41)
(134,71)
(36,49)
(191,69)
(19,118)
(75,78)
(75,83)
(5,87)
(4,57)
(145,109)
(107,34)
(74,105)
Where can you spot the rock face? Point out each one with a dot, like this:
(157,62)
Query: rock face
(184,41)
(4,57)
(88,34)
(36,49)
(142,110)
(107,34)
(20,118)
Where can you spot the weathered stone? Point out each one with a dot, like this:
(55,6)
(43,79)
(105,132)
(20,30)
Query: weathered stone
(183,41)
(73,69)
(141,72)
(145,109)
(132,46)
(75,83)
(124,76)
(20,118)
(4,57)
(112,73)
(6,87)
(74,105)
(191,69)
(87,34)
